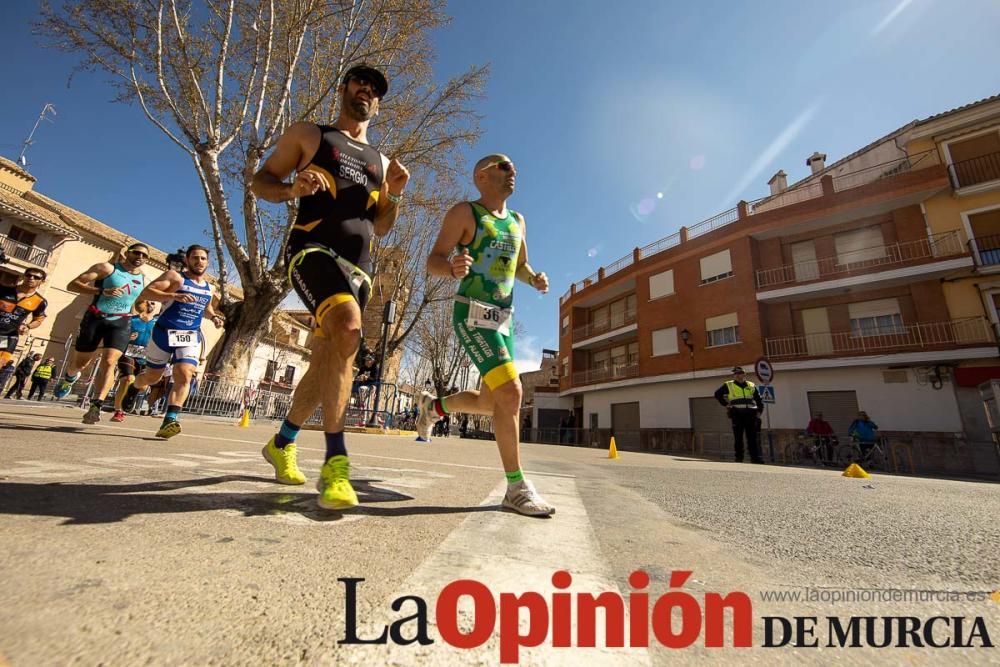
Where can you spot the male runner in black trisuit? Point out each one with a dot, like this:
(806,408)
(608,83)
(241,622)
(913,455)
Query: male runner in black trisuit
(347,190)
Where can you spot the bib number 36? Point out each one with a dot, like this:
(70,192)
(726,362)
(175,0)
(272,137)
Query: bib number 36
(487,316)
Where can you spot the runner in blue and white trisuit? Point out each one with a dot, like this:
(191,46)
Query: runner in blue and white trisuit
(133,362)
(176,338)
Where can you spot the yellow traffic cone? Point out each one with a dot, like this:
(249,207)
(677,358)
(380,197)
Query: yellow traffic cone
(613,451)
(856,471)
(245,421)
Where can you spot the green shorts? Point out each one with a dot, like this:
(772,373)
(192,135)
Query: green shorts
(491,351)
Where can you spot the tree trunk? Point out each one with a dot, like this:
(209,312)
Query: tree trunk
(246,323)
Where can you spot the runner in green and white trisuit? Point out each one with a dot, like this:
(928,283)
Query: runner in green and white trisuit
(483,244)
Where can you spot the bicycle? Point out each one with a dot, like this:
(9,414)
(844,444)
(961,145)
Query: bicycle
(873,459)
(817,450)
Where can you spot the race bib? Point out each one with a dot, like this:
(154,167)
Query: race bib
(178,338)
(138,351)
(7,342)
(487,316)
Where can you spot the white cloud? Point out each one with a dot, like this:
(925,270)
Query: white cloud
(527,354)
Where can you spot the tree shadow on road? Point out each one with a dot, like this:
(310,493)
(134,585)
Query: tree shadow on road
(78,430)
(82,503)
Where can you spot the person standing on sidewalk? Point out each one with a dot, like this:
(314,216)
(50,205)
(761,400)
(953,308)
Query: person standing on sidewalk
(743,404)
(40,378)
(21,374)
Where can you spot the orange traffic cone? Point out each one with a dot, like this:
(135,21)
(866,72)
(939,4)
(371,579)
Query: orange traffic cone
(613,450)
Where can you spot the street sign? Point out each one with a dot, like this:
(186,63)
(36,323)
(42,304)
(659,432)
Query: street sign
(764,371)
(766,393)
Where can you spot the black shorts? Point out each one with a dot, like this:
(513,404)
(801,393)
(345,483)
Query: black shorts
(131,365)
(96,331)
(321,281)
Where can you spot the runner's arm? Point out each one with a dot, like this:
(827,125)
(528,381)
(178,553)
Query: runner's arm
(456,228)
(525,273)
(163,288)
(396,178)
(217,319)
(82,283)
(269,183)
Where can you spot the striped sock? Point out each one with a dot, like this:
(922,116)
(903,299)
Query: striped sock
(287,434)
(439,407)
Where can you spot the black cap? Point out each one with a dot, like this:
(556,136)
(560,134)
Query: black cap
(738,369)
(381,85)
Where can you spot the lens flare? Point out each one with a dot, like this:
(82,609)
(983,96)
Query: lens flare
(697,163)
(659,195)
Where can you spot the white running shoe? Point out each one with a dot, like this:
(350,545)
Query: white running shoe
(425,417)
(522,497)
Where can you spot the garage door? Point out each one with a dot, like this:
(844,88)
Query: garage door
(707,416)
(625,424)
(709,420)
(839,408)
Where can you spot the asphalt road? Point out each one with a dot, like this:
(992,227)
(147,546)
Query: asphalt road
(120,549)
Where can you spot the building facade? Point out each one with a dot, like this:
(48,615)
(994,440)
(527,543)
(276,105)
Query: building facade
(870,284)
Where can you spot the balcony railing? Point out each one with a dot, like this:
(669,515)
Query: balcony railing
(977,170)
(803,192)
(864,260)
(610,324)
(968,331)
(986,250)
(606,373)
(24,252)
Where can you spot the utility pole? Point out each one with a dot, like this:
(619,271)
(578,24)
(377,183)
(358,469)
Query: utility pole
(27,142)
(388,317)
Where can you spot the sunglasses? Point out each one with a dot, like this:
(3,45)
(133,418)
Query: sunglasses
(139,253)
(363,81)
(33,276)
(502,165)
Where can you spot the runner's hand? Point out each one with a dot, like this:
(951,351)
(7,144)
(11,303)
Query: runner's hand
(133,335)
(308,182)
(22,330)
(461,263)
(184,297)
(218,321)
(113,291)
(396,177)
(541,282)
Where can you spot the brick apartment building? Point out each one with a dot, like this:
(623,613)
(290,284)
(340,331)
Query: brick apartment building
(873,283)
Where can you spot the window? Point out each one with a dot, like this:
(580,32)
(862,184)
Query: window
(599,317)
(272,370)
(565,325)
(600,360)
(722,330)
(859,245)
(22,235)
(565,367)
(875,318)
(985,227)
(661,284)
(289,374)
(617,312)
(665,341)
(716,267)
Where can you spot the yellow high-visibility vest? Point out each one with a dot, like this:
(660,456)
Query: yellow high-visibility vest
(740,398)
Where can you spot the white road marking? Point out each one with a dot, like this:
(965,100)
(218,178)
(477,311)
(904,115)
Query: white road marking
(508,553)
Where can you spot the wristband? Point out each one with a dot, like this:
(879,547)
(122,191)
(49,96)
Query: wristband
(395,199)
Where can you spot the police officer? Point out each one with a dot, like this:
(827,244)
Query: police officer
(743,404)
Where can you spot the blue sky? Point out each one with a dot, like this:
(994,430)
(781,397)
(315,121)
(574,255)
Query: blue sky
(602,106)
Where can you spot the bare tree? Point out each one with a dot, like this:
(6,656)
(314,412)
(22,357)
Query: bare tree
(222,79)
